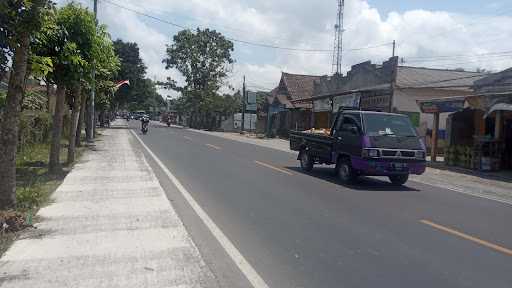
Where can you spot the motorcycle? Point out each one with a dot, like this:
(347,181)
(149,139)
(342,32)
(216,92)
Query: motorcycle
(169,123)
(144,128)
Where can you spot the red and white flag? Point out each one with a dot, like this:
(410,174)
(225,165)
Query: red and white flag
(121,83)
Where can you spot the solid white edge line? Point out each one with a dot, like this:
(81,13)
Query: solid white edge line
(461,191)
(249,272)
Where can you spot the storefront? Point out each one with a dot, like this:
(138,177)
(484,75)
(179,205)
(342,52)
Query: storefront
(478,128)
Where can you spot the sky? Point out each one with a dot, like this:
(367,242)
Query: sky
(440,34)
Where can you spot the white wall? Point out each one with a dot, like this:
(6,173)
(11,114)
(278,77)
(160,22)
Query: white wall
(405,100)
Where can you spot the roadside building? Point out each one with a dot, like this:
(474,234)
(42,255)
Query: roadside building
(388,87)
(479,125)
(282,113)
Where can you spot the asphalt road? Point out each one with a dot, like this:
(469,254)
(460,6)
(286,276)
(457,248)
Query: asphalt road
(307,230)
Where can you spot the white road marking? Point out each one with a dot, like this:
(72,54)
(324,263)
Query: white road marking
(273,167)
(213,146)
(462,191)
(250,273)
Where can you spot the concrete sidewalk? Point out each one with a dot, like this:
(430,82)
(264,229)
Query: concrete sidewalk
(469,184)
(110,225)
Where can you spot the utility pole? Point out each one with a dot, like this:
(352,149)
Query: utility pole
(394,43)
(90,132)
(243,108)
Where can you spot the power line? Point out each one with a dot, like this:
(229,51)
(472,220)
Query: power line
(441,57)
(454,64)
(253,43)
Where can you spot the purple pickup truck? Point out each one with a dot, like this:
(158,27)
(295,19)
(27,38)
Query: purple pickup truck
(364,143)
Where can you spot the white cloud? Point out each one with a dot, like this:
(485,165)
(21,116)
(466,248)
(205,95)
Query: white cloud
(309,24)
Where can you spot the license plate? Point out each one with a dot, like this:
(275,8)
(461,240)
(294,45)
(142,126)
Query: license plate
(399,166)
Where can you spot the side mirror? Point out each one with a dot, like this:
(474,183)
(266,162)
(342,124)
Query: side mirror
(353,130)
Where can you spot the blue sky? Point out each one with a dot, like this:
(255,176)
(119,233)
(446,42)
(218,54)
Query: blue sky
(455,6)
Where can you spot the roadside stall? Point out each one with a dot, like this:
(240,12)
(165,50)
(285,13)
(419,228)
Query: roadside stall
(436,107)
(479,130)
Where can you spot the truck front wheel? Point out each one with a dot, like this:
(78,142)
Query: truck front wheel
(399,179)
(345,171)
(306,162)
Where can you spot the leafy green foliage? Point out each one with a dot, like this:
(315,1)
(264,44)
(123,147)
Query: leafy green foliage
(66,39)
(203,57)
(34,101)
(35,127)
(17,18)
(142,93)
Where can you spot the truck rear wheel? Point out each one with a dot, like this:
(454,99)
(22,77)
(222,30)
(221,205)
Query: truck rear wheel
(306,162)
(345,171)
(399,179)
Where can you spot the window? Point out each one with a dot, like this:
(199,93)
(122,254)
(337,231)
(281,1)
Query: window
(388,125)
(351,121)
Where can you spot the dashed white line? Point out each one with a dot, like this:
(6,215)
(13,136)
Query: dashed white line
(273,167)
(462,191)
(213,146)
(250,273)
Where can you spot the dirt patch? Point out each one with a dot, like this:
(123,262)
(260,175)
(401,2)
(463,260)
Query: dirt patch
(13,221)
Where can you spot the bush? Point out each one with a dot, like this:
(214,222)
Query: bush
(29,197)
(34,101)
(35,127)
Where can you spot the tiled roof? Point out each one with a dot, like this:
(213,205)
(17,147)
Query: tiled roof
(299,86)
(493,78)
(418,77)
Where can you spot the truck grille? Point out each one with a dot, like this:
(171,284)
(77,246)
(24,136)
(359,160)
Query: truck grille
(397,153)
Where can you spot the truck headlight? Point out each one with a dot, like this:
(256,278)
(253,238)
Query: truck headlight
(420,155)
(372,153)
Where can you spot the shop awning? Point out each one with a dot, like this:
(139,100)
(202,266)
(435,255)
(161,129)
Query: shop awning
(499,107)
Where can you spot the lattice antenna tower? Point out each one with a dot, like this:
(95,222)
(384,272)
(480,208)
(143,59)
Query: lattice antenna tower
(338,39)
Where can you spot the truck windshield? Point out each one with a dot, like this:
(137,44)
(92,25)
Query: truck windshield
(388,125)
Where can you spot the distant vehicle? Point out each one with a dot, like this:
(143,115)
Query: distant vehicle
(138,114)
(364,143)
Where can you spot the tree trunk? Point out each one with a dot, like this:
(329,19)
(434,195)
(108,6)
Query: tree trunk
(87,117)
(81,118)
(48,89)
(75,114)
(10,122)
(54,165)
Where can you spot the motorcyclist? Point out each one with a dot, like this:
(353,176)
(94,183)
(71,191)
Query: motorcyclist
(144,121)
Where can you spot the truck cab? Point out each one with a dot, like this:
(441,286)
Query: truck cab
(364,143)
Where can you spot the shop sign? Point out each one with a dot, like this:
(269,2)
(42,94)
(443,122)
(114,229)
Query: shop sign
(442,106)
(349,100)
(251,101)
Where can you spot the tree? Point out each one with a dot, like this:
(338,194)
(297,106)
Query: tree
(70,46)
(19,20)
(142,93)
(131,68)
(106,64)
(203,58)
